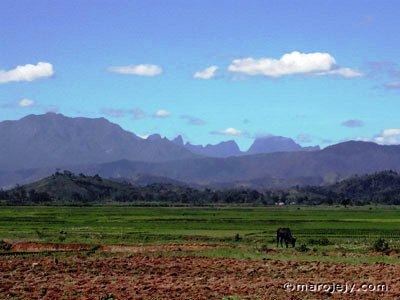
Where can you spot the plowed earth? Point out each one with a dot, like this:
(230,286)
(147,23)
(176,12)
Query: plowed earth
(120,275)
(54,247)
(138,276)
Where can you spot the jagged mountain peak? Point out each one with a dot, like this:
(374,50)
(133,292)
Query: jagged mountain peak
(55,140)
(178,140)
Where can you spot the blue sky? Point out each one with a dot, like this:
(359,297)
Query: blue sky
(134,62)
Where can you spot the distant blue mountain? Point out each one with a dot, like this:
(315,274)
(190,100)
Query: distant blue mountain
(54,140)
(267,144)
(270,144)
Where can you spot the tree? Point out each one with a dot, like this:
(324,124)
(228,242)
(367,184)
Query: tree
(3,195)
(345,202)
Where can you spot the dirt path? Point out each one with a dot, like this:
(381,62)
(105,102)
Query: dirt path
(141,277)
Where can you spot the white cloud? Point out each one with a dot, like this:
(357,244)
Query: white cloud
(140,70)
(388,137)
(27,72)
(143,136)
(207,73)
(26,102)
(162,113)
(228,131)
(344,72)
(291,64)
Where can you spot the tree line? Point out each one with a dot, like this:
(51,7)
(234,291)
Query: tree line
(67,188)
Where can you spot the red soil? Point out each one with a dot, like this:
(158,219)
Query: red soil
(42,247)
(141,277)
(50,247)
(155,248)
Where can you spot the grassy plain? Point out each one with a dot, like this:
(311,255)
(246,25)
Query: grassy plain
(238,232)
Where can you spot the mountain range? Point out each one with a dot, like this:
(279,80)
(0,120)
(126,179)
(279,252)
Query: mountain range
(54,140)
(263,144)
(36,145)
(272,169)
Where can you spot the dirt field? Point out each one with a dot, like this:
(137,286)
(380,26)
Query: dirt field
(53,247)
(139,276)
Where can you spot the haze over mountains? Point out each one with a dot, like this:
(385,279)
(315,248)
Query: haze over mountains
(222,149)
(34,146)
(54,140)
(265,144)
(267,170)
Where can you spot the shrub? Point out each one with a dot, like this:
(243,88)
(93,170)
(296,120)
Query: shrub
(93,249)
(238,238)
(62,236)
(321,241)
(40,234)
(5,246)
(303,248)
(380,245)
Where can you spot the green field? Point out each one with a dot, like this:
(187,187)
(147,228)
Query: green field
(350,230)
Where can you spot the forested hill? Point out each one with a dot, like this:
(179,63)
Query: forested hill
(381,187)
(68,188)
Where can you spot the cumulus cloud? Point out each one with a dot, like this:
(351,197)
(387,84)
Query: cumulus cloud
(352,123)
(389,136)
(291,64)
(161,113)
(139,70)
(25,102)
(27,72)
(228,131)
(207,73)
(193,120)
(344,72)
